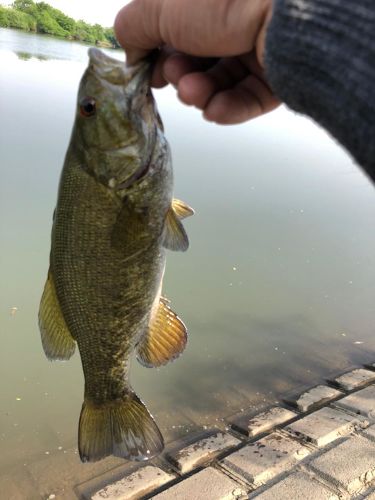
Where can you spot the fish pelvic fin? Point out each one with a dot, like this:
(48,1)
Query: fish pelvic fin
(123,428)
(165,340)
(182,209)
(58,344)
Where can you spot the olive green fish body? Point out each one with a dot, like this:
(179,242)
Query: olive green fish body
(114,219)
(105,284)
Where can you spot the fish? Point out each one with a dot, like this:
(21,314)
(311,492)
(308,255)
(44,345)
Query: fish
(114,220)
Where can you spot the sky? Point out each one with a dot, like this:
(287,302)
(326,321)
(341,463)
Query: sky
(101,12)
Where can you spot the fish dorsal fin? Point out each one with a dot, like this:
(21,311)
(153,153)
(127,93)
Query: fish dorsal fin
(174,236)
(181,209)
(56,339)
(165,340)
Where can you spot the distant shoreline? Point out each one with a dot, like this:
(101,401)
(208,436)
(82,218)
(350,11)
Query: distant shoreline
(43,19)
(63,39)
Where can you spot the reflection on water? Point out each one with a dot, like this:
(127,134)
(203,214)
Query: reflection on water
(26,56)
(47,47)
(276,289)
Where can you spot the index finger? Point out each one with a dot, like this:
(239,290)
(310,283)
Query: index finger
(203,28)
(137,28)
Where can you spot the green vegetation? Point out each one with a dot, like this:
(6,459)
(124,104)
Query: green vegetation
(42,18)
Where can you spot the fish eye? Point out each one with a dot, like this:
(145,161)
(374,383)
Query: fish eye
(87,106)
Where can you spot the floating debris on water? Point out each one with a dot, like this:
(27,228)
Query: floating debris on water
(13,311)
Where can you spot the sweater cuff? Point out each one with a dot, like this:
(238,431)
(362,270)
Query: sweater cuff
(320,60)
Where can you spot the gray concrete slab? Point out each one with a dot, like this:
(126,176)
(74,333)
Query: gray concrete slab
(263,422)
(297,486)
(325,425)
(361,402)
(139,483)
(355,379)
(208,484)
(350,465)
(317,396)
(263,460)
(186,459)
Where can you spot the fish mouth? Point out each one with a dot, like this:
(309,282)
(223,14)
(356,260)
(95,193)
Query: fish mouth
(117,72)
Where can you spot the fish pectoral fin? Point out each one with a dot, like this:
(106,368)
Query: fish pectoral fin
(123,428)
(174,236)
(165,340)
(56,339)
(181,209)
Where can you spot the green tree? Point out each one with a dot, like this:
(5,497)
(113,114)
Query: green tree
(26,6)
(43,18)
(10,18)
(110,36)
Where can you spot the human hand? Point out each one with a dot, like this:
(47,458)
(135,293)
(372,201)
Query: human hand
(210,50)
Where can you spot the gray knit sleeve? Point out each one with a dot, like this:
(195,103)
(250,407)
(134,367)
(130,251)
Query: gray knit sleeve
(320,60)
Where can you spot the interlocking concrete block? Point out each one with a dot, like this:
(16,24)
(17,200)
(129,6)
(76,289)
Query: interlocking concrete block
(259,462)
(350,465)
(355,379)
(207,484)
(325,425)
(361,402)
(370,433)
(297,486)
(263,422)
(316,396)
(139,483)
(202,451)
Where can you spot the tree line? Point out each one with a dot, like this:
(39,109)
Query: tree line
(40,17)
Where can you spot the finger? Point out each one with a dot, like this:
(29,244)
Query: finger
(209,28)
(178,65)
(158,79)
(198,88)
(249,99)
(137,28)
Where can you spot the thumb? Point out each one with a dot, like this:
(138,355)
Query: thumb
(205,28)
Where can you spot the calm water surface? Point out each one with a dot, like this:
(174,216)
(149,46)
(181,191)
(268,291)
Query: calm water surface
(277,288)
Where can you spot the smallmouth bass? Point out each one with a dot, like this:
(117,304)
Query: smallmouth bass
(114,219)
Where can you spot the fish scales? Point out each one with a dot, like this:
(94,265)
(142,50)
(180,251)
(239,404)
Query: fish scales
(114,219)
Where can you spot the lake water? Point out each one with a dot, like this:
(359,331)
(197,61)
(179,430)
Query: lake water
(277,288)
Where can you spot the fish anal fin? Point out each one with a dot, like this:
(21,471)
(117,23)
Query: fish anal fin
(174,236)
(182,209)
(123,428)
(58,344)
(165,340)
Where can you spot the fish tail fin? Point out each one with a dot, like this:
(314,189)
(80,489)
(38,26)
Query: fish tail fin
(123,428)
